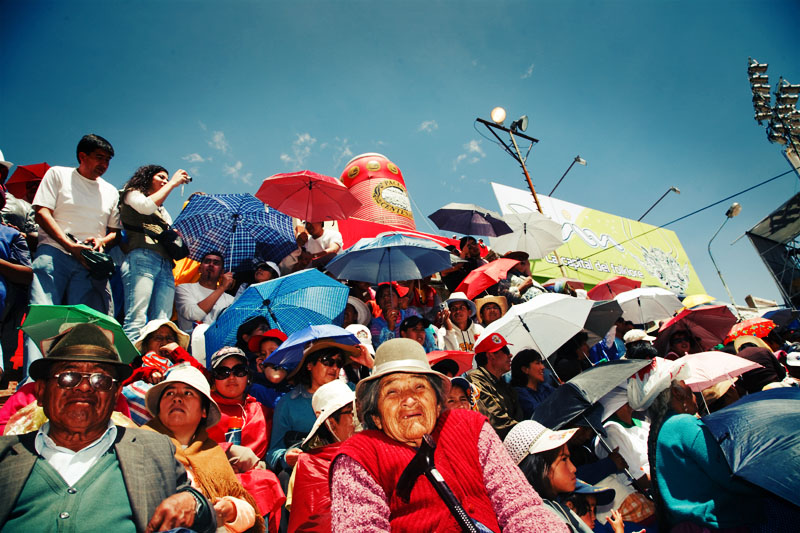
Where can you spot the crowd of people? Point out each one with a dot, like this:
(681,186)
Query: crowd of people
(359,432)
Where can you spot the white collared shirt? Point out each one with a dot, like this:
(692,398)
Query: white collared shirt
(73,465)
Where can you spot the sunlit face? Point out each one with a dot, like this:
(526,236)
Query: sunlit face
(473,249)
(457,399)
(562,472)
(344,428)
(181,407)
(325,370)
(159,180)
(387,298)
(315,229)
(233,386)
(94,164)
(534,371)
(459,312)
(407,406)
(211,268)
(160,337)
(500,360)
(272,373)
(416,333)
(490,312)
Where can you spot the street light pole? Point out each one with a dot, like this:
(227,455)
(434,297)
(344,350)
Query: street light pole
(732,211)
(671,189)
(578,159)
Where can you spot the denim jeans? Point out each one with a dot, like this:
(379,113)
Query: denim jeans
(60,279)
(149,289)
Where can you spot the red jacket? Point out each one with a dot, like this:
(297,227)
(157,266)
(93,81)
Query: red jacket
(311,509)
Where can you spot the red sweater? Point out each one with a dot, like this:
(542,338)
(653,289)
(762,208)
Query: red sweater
(311,510)
(456,458)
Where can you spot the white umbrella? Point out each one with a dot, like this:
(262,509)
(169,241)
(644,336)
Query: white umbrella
(544,323)
(647,304)
(534,233)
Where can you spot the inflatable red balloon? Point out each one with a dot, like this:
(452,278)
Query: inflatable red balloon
(378,184)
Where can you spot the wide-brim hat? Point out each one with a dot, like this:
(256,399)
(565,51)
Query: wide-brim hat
(749,339)
(82,343)
(188,375)
(499,300)
(364,336)
(363,314)
(254,344)
(604,495)
(153,325)
(635,335)
(461,297)
(349,351)
(328,399)
(401,356)
(530,437)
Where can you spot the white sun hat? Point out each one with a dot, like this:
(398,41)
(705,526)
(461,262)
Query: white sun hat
(328,399)
(530,437)
(188,375)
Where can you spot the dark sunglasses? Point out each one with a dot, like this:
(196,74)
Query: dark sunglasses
(98,381)
(224,372)
(329,361)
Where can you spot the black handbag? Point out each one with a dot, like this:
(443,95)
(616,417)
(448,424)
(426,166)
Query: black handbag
(173,243)
(101,265)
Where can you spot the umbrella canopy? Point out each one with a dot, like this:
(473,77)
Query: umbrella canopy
(581,392)
(693,300)
(470,219)
(544,323)
(290,352)
(463,359)
(708,324)
(308,196)
(235,224)
(783,317)
(290,303)
(46,321)
(706,369)
(558,283)
(759,438)
(757,327)
(485,276)
(389,257)
(25,178)
(602,317)
(609,288)
(647,304)
(534,233)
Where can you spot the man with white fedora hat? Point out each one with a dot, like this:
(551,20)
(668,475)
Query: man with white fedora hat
(460,330)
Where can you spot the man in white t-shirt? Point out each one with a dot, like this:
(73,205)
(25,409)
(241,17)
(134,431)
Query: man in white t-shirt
(323,244)
(79,202)
(202,302)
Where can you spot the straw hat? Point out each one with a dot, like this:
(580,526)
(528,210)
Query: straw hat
(188,375)
(328,399)
(401,355)
(749,339)
(499,300)
(153,325)
(530,437)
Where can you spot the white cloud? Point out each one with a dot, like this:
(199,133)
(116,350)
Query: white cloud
(428,126)
(202,125)
(472,153)
(301,150)
(219,142)
(235,172)
(528,73)
(341,151)
(195,158)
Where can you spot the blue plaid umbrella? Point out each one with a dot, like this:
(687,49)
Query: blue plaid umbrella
(390,257)
(235,224)
(290,303)
(290,352)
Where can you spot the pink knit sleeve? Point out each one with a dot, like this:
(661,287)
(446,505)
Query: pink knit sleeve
(518,507)
(358,502)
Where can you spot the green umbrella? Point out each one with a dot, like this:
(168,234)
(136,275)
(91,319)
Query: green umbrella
(46,321)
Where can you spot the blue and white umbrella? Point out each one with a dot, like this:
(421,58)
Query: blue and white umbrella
(290,352)
(290,303)
(390,257)
(235,225)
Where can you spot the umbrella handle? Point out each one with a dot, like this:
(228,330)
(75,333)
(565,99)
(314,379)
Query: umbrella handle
(546,359)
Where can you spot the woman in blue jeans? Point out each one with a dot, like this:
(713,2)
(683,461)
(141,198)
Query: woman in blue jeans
(147,270)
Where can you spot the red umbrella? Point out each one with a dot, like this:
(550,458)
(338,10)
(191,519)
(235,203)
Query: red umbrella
(463,359)
(485,276)
(308,196)
(709,325)
(608,288)
(17,184)
(757,327)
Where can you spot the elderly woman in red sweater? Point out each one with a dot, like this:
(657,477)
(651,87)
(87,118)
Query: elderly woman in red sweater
(402,401)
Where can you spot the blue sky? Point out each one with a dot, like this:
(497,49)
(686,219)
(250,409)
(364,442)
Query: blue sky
(651,94)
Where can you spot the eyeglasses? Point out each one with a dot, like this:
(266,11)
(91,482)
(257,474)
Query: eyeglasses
(224,372)
(164,338)
(98,381)
(330,361)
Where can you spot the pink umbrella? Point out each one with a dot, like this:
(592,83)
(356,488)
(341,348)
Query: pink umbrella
(709,325)
(485,276)
(463,359)
(308,196)
(608,288)
(706,369)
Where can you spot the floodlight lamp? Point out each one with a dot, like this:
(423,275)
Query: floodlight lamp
(733,210)
(498,115)
(762,88)
(784,110)
(760,117)
(759,78)
(580,160)
(788,88)
(755,66)
(675,190)
(775,138)
(786,98)
(521,124)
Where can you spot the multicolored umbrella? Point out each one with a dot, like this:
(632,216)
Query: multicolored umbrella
(308,196)
(46,321)
(26,179)
(709,325)
(290,303)
(235,224)
(756,327)
(609,288)
(485,276)
(470,219)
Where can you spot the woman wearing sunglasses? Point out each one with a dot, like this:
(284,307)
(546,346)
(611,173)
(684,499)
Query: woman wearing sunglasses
(294,415)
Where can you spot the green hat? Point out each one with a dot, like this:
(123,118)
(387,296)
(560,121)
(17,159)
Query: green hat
(85,343)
